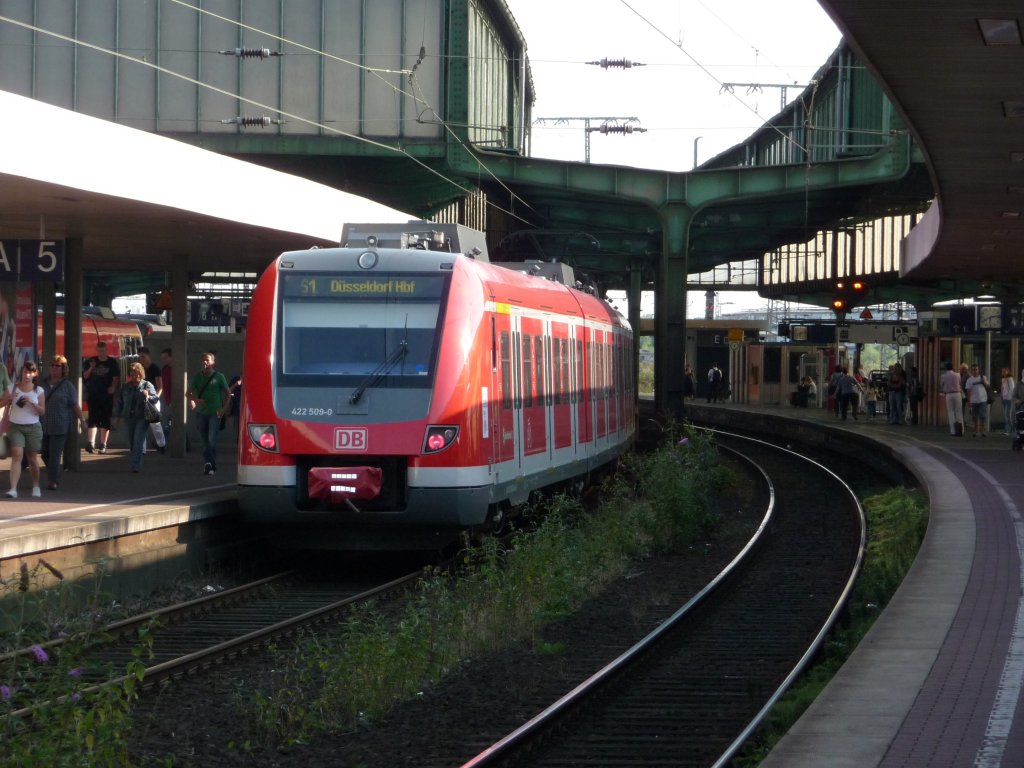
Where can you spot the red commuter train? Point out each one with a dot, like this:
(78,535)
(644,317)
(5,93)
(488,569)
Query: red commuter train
(401,387)
(123,337)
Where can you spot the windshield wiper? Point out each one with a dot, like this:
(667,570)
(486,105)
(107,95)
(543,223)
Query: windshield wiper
(380,371)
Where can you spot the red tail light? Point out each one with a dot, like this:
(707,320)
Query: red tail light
(439,437)
(264,436)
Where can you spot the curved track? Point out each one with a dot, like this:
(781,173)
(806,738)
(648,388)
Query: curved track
(693,690)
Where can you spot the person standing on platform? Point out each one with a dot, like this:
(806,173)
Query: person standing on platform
(977,398)
(1006,388)
(689,383)
(209,398)
(871,397)
(63,416)
(153,377)
(132,412)
(848,394)
(897,394)
(965,373)
(714,382)
(24,430)
(833,388)
(233,408)
(102,377)
(915,394)
(949,386)
(1018,398)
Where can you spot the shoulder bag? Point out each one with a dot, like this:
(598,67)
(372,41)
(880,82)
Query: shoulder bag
(150,408)
(5,448)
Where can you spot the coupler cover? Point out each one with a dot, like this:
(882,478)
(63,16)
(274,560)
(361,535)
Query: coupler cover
(336,484)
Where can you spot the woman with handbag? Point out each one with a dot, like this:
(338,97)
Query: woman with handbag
(63,414)
(135,394)
(25,432)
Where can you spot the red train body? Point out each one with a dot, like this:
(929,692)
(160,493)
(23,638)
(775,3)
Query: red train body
(123,337)
(399,385)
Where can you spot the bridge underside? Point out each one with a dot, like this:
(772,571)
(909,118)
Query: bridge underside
(606,236)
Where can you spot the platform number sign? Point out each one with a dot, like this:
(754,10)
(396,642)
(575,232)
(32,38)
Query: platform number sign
(32,261)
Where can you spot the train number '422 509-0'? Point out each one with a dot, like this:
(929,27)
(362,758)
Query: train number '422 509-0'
(303,411)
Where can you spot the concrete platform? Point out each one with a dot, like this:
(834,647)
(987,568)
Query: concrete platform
(938,679)
(105,513)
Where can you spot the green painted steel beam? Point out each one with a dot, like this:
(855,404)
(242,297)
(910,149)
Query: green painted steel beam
(656,189)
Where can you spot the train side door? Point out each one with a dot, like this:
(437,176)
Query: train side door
(612,357)
(583,415)
(561,386)
(599,388)
(534,423)
(504,426)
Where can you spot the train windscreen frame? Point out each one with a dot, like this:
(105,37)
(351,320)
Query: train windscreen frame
(337,329)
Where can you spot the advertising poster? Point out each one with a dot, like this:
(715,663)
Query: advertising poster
(7,326)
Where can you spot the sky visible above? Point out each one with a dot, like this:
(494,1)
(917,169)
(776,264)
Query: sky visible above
(691,51)
(697,94)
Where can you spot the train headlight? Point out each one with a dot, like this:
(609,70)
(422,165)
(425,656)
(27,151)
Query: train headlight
(438,438)
(264,436)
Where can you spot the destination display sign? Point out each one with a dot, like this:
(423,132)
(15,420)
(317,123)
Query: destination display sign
(362,286)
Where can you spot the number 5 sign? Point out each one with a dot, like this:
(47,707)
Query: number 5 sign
(33,261)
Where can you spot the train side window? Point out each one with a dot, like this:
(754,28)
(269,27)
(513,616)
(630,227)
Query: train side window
(579,370)
(563,346)
(591,370)
(517,371)
(538,362)
(527,371)
(609,352)
(556,371)
(506,372)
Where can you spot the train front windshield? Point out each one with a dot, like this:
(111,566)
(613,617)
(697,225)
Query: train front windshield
(350,326)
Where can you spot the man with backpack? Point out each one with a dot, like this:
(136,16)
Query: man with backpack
(714,382)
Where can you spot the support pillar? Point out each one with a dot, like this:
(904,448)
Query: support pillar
(634,297)
(46,296)
(74,272)
(179,356)
(670,312)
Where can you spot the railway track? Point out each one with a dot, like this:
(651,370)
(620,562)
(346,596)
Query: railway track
(196,634)
(693,690)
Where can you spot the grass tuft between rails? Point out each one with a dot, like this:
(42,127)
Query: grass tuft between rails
(897,520)
(500,596)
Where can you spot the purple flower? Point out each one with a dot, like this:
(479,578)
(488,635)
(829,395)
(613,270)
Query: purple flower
(40,654)
(5,692)
(76,672)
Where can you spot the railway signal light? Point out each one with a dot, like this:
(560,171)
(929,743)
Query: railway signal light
(849,294)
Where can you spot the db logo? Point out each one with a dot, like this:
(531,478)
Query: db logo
(351,439)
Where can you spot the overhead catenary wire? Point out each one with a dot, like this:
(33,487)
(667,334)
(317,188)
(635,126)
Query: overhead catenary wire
(284,114)
(722,86)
